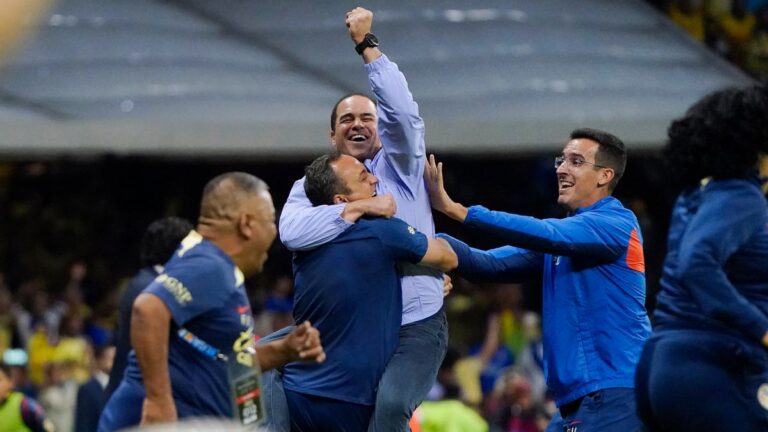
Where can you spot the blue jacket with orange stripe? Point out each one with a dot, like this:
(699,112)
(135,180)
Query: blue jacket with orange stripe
(593,272)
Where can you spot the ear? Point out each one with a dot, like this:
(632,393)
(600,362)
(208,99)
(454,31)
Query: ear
(606,176)
(245,225)
(338,199)
(332,135)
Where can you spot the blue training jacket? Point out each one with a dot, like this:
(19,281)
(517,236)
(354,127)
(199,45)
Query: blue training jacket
(593,272)
(716,270)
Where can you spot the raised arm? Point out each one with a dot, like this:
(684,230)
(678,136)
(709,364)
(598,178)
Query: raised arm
(303,226)
(401,129)
(709,242)
(505,264)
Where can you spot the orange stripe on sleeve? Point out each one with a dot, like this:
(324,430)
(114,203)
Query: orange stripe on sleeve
(635,258)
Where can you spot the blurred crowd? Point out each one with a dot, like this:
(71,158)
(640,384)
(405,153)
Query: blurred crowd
(736,29)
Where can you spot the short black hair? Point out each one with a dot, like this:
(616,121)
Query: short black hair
(320,180)
(610,152)
(336,106)
(161,238)
(720,136)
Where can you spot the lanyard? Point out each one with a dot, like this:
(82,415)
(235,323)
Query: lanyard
(202,346)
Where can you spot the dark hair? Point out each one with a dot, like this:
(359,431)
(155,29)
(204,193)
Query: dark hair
(320,181)
(720,136)
(610,151)
(336,106)
(161,238)
(6,368)
(218,201)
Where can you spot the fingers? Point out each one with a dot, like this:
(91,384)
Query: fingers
(447,285)
(314,354)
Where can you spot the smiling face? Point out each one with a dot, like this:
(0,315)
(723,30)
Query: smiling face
(355,131)
(360,183)
(580,182)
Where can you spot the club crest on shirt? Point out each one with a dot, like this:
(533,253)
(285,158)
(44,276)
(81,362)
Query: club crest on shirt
(557,260)
(411,230)
(762,395)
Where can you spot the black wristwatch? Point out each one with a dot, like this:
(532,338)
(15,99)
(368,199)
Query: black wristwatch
(369,41)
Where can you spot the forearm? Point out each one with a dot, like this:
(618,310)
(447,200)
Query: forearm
(150,327)
(507,264)
(273,354)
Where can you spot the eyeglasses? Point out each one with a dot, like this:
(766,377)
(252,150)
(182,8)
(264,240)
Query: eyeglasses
(574,161)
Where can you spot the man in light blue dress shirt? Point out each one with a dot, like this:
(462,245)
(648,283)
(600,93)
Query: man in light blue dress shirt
(388,136)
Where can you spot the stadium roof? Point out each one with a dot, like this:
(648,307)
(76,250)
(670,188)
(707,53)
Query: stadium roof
(257,78)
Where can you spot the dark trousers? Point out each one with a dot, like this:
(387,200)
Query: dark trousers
(409,375)
(319,414)
(606,410)
(696,380)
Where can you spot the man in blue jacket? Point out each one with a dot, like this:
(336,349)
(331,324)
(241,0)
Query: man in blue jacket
(593,276)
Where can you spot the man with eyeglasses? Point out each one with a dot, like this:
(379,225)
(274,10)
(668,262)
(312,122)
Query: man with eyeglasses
(593,279)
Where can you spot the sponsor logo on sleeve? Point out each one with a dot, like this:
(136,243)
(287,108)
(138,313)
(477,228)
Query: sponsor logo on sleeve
(180,293)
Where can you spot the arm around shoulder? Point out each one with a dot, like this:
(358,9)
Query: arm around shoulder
(440,255)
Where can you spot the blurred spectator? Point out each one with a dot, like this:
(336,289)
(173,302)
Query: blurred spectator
(18,413)
(91,396)
(513,408)
(688,14)
(509,300)
(17,360)
(530,362)
(449,413)
(732,31)
(41,352)
(278,307)
(59,395)
(73,349)
(32,309)
(8,335)
(757,49)
(157,245)
(476,373)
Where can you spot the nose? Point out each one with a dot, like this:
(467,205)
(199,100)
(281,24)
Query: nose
(562,168)
(374,181)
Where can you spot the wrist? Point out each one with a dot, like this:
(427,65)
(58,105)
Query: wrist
(353,211)
(456,211)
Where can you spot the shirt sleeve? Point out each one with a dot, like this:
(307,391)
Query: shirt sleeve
(403,241)
(594,235)
(504,264)
(710,240)
(33,416)
(401,129)
(192,289)
(304,227)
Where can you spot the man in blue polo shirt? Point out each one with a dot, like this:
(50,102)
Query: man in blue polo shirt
(593,278)
(193,323)
(350,290)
